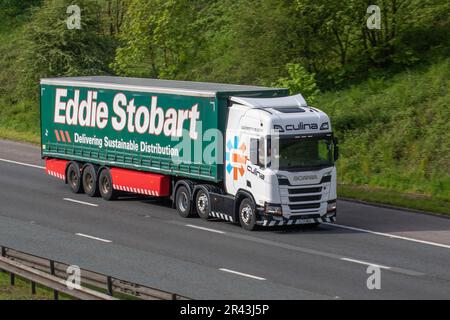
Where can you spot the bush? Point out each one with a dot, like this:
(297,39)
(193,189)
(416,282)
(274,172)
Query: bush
(50,48)
(395,133)
(300,81)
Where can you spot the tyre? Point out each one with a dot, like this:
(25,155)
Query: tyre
(203,204)
(183,202)
(89,179)
(247,215)
(74,177)
(105,185)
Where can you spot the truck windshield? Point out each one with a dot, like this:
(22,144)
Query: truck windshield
(298,153)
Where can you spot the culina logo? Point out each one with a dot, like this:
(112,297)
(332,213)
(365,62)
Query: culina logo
(296,127)
(235,158)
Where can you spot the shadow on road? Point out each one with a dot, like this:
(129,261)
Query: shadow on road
(423,226)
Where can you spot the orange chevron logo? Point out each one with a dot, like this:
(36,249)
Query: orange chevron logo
(63,136)
(236,158)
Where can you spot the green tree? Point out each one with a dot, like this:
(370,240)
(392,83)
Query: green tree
(159,38)
(13,8)
(52,49)
(300,81)
(113,15)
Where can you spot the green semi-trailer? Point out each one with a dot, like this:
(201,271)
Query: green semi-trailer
(105,135)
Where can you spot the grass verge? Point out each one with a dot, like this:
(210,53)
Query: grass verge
(22,290)
(19,136)
(397,199)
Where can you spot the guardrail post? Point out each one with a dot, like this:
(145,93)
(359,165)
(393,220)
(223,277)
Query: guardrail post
(30,267)
(109,284)
(33,288)
(52,271)
(3,252)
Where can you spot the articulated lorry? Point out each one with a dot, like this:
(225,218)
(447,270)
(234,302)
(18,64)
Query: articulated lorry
(245,154)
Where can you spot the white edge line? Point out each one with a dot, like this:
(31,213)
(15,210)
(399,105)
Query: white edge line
(391,235)
(205,229)
(242,274)
(366,263)
(22,163)
(81,202)
(92,237)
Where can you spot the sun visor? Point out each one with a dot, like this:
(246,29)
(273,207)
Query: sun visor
(291,101)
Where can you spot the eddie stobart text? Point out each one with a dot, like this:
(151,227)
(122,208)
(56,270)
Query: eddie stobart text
(152,120)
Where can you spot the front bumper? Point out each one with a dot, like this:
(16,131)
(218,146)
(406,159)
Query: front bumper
(271,222)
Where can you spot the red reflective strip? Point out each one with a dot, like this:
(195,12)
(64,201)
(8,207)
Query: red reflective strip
(136,181)
(56,167)
(68,137)
(62,136)
(57,135)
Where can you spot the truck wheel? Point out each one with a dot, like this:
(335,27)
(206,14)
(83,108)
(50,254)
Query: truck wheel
(105,185)
(90,184)
(247,215)
(183,202)
(202,204)
(74,177)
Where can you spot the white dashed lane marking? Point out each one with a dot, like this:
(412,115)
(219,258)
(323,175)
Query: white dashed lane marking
(81,202)
(242,274)
(22,163)
(92,237)
(205,229)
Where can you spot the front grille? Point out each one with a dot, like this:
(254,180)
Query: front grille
(306,216)
(305,198)
(305,190)
(304,206)
(298,196)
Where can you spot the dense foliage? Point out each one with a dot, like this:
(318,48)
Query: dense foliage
(395,133)
(386,89)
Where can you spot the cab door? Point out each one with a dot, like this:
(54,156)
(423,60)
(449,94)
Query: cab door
(244,155)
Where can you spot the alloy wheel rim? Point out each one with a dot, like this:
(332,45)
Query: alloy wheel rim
(246,214)
(105,185)
(183,201)
(89,181)
(73,178)
(202,203)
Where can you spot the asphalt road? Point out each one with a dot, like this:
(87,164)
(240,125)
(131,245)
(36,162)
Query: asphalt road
(145,241)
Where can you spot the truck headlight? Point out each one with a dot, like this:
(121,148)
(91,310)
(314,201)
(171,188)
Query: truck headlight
(273,209)
(331,207)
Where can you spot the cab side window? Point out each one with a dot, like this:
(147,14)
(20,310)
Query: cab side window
(261,153)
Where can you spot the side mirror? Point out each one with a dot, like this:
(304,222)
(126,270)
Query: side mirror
(336,149)
(254,151)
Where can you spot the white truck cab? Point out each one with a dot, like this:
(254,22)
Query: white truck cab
(281,153)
